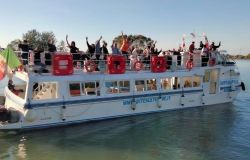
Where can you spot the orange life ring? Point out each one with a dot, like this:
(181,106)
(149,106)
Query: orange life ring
(138,66)
(211,62)
(2,70)
(90,66)
(189,64)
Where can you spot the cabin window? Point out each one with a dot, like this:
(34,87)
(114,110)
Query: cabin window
(111,87)
(145,85)
(17,87)
(74,89)
(206,77)
(140,85)
(187,82)
(196,81)
(151,85)
(114,87)
(45,90)
(124,86)
(175,81)
(166,83)
(90,88)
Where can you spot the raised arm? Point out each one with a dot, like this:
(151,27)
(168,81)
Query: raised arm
(87,42)
(67,41)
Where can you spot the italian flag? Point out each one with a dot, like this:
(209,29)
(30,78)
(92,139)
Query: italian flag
(8,62)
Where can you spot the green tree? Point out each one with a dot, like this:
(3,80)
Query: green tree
(35,39)
(139,40)
(14,44)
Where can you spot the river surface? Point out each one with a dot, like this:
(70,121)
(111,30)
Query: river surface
(219,132)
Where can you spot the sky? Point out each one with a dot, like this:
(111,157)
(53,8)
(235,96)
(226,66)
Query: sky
(166,21)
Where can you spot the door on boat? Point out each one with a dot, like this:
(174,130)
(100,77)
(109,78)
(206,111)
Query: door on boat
(210,81)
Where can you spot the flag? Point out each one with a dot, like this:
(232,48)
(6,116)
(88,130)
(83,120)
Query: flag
(206,42)
(8,62)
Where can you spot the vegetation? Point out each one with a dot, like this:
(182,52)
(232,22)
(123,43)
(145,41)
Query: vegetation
(139,40)
(240,56)
(36,40)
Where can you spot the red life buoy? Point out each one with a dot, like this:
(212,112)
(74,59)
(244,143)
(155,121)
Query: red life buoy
(189,64)
(211,62)
(138,66)
(90,66)
(2,70)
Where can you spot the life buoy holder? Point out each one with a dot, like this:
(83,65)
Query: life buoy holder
(189,64)
(211,62)
(138,66)
(90,66)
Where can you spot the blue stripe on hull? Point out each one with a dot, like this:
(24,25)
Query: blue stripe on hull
(29,106)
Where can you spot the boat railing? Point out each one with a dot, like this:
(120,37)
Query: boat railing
(43,62)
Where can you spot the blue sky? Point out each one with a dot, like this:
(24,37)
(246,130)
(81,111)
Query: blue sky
(162,20)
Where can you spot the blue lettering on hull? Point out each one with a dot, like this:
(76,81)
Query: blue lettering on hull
(146,100)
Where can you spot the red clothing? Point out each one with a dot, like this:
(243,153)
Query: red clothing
(125,45)
(191,48)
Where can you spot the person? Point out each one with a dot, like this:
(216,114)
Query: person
(51,46)
(192,47)
(213,47)
(24,47)
(72,46)
(125,45)
(98,48)
(91,48)
(115,49)
(201,45)
(74,51)
(11,87)
(104,49)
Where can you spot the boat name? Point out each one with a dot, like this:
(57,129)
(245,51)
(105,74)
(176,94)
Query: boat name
(146,100)
(229,82)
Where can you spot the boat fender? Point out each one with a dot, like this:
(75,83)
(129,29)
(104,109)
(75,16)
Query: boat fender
(159,102)
(138,66)
(30,115)
(243,86)
(189,64)
(90,66)
(133,104)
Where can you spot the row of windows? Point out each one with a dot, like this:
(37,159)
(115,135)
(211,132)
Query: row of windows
(116,87)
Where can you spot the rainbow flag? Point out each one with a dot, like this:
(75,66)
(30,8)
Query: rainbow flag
(8,62)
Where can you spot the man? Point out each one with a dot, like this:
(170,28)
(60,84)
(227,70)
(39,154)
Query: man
(192,47)
(213,47)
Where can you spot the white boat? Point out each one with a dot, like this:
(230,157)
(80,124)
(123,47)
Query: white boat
(67,96)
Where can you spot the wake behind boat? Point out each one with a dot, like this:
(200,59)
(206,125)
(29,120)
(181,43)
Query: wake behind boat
(74,91)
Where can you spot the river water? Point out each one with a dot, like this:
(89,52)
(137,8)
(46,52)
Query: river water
(219,132)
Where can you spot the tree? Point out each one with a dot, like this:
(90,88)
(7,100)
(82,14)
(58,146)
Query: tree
(35,39)
(14,44)
(139,40)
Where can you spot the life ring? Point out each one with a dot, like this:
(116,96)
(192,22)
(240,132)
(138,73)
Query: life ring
(2,69)
(189,64)
(211,62)
(90,66)
(138,66)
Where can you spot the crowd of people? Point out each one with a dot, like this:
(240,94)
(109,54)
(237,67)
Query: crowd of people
(97,51)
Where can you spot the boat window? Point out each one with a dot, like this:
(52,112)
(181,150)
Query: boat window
(187,82)
(175,81)
(206,77)
(151,84)
(74,89)
(196,81)
(140,85)
(18,87)
(111,87)
(45,90)
(91,88)
(124,86)
(166,83)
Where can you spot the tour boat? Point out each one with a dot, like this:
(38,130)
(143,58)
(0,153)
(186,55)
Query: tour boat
(68,94)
